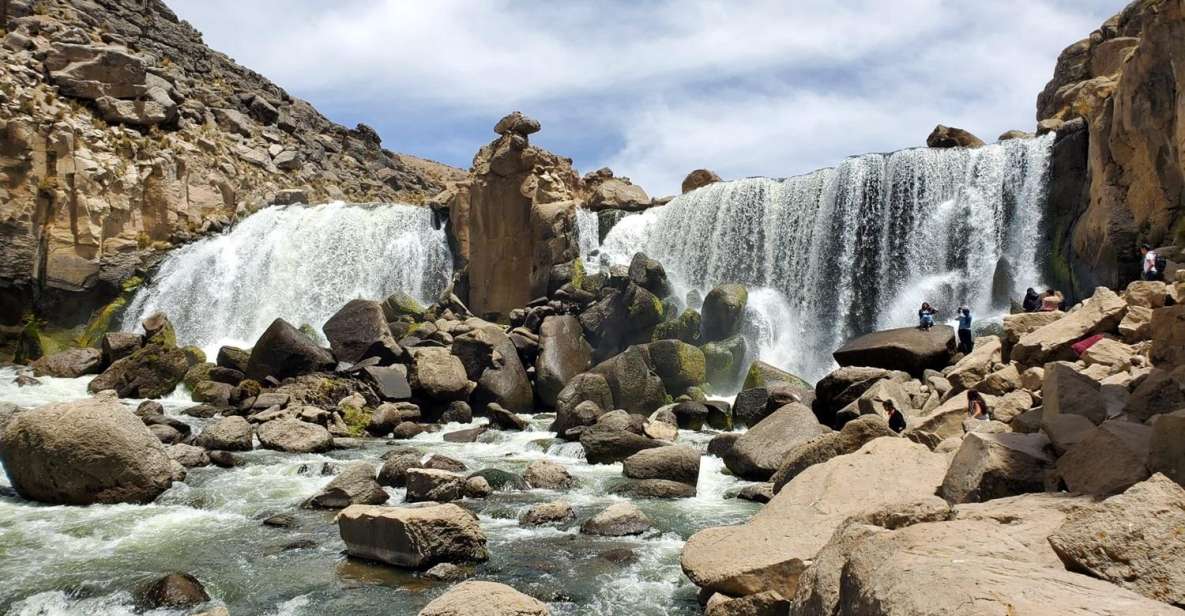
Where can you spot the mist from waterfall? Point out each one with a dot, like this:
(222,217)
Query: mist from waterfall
(847,250)
(301,263)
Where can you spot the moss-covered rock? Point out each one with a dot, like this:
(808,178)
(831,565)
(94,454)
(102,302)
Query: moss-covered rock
(194,355)
(723,310)
(723,362)
(196,374)
(678,364)
(29,346)
(152,371)
(401,304)
(761,374)
(685,327)
(102,321)
(158,331)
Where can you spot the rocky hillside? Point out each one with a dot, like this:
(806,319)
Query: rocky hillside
(122,134)
(1119,175)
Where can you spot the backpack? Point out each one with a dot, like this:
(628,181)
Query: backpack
(1162,263)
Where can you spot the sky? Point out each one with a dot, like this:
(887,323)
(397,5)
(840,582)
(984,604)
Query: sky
(654,89)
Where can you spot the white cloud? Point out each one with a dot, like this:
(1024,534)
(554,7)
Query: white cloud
(752,87)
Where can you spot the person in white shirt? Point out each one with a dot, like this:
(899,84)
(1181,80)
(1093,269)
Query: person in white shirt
(1150,270)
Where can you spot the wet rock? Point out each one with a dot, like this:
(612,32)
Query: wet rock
(227,434)
(563,354)
(149,408)
(757,492)
(280,520)
(69,364)
(355,485)
(1132,539)
(233,358)
(618,520)
(152,371)
(188,456)
(446,572)
(672,463)
(854,435)
(655,488)
(438,374)
(504,419)
(458,411)
(165,434)
(690,415)
(466,436)
(989,466)
(223,459)
(555,512)
(84,452)
(284,351)
(723,443)
(474,598)
(412,537)
(723,309)
(118,345)
(908,349)
(501,480)
(607,444)
(635,387)
(407,430)
(294,436)
(581,402)
(758,453)
(424,484)
(174,590)
(686,328)
(545,475)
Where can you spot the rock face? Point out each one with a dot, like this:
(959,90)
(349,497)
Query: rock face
(474,598)
(84,452)
(771,550)
(152,140)
(412,537)
(908,349)
(1122,81)
(1132,539)
(758,453)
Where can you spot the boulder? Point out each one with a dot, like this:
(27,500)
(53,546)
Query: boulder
(944,421)
(618,520)
(751,406)
(283,351)
(294,436)
(761,374)
(555,512)
(723,310)
(227,434)
(621,318)
(724,361)
(586,387)
(690,415)
(1017,325)
(491,359)
(400,304)
(1132,539)
(771,550)
(1065,390)
(698,179)
(1065,430)
(673,463)
(69,364)
(394,471)
(504,419)
(438,374)
(152,371)
(606,444)
(654,488)
(1146,294)
(354,485)
(474,598)
(1167,448)
(1108,460)
(84,452)
(585,414)
(118,345)
(722,443)
(544,475)
(635,387)
(767,603)
(1159,392)
(686,327)
(175,590)
(188,455)
(989,466)
(650,275)
(1100,314)
(412,537)
(426,484)
(678,364)
(1136,325)
(758,453)
(951,137)
(1168,336)
(563,354)
(95,71)
(854,435)
(516,123)
(908,349)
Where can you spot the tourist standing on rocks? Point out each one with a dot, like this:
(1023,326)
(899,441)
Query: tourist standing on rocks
(896,419)
(1051,301)
(1032,301)
(977,407)
(1153,264)
(966,342)
(926,316)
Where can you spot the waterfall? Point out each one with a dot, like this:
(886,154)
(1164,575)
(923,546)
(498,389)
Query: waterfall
(301,263)
(858,247)
(588,233)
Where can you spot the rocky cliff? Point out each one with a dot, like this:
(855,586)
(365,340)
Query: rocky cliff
(1119,177)
(122,135)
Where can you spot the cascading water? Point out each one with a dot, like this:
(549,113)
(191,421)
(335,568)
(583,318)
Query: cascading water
(299,263)
(847,250)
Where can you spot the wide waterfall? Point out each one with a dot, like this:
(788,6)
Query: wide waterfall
(301,263)
(847,250)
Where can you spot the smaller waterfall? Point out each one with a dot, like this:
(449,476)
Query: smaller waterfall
(300,263)
(588,233)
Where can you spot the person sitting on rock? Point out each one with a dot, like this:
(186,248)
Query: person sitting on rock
(926,316)
(977,407)
(896,419)
(966,342)
(1032,301)
(1051,301)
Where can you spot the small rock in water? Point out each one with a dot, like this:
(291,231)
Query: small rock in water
(24,380)
(174,590)
(618,520)
(149,408)
(280,520)
(556,512)
(621,556)
(758,492)
(446,572)
(477,487)
(545,475)
(224,459)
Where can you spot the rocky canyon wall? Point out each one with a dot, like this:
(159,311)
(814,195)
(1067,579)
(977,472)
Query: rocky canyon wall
(1116,101)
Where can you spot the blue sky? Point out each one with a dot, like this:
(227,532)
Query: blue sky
(654,89)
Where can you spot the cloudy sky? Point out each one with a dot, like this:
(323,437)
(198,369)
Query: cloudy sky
(653,88)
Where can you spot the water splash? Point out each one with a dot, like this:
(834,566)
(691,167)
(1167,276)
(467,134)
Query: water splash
(856,247)
(297,262)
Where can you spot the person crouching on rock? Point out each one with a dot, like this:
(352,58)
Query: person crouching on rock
(977,407)
(1032,301)
(966,342)
(926,317)
(896,419)
(1051,301)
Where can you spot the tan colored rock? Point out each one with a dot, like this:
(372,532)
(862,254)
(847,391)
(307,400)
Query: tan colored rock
(476,598)
(1146,293)
(1017,325)
(412,537)
(698,179)
(945,421)
(1108,460)
(976,365)
(759,452)
(1101,313)
(989,466)
(772,549)
(1168,336)
(1136,325)
(1111,353)
(950,137)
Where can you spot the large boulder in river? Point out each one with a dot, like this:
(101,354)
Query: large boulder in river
(1133,539)
(476,598)
(294,436)
(227,434)
(617,520)
(563,354)
(152,371)
(908,349)
(355,328)
(354,485)
(284,351)
(1101,313)
(606,442)
(758,453)
(69,364)
(673,463)
(412,537)
(723,309)
(678,364)
(770,550)
(492,361)
(438,374)
(634,385)
(84,452)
